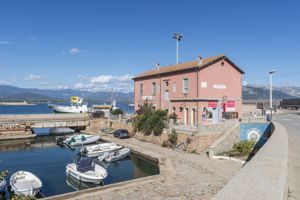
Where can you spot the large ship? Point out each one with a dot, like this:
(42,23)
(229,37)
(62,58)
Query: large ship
(77,106)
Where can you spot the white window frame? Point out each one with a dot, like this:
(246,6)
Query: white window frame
(185,90)
(141,89)
(153,88)
(174,87)
(167,95)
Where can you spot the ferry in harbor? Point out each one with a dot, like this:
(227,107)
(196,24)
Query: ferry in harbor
(77,106)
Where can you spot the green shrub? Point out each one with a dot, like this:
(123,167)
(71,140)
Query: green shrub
(173,137)
(173,116)
(149,120)
(244,147)
(116,111)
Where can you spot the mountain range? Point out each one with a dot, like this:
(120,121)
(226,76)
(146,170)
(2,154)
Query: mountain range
(12,93)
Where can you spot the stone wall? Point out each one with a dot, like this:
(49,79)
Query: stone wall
(198,142)
(225,142)
(265,175)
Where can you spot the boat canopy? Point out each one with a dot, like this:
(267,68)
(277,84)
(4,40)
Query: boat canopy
(84,164)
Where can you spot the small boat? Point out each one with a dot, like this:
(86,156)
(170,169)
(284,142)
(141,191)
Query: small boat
(86,171)
(99,149)
(81,139)
(118,155)
(2,184)
(77,106)
(25,183)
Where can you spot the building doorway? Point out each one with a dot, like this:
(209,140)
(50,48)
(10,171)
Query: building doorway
(186,112)
(193,117)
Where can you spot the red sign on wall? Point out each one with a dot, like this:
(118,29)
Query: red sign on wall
(230,104)
(212,104)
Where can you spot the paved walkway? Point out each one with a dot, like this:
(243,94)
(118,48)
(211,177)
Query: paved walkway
(291,121)
(183,176)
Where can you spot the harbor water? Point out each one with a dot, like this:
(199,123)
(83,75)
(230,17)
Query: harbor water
(48,161)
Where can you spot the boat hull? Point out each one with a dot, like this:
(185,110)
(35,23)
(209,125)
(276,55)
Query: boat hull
(123,153)
(25,183)
(88,176)
(78,141)
(103,148)
(69,109)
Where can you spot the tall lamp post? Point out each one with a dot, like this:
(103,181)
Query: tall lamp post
(271,98)
(177,37)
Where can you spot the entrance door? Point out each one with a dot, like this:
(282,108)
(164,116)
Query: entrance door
(193,117)
(186,111)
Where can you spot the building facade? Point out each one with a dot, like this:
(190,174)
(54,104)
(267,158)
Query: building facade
(198,92)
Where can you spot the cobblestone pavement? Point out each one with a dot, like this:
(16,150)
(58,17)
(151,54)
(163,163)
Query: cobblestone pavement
(183,176)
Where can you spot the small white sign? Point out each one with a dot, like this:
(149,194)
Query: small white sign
(219,86)
(204,84)
(147,97)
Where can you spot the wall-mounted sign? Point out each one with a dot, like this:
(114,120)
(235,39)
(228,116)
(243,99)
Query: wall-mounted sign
(230,106)
(219,86)
(147,97)
(204,84)
(212,104)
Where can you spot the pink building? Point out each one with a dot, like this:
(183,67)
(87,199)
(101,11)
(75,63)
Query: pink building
(200,91)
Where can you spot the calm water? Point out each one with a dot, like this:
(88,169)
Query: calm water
(48,161)
(42,108)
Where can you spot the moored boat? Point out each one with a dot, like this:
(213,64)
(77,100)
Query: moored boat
(99,149)
(25,183)
(117,155)
(81,139)
(87,171)
(77,106)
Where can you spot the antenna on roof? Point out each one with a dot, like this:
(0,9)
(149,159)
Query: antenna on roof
(200,60)
(157,66)
(177,37)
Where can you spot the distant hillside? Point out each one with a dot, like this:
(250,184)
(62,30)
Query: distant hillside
(11,93)
(255,92)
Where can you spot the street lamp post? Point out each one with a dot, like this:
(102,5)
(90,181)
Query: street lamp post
(177,37)
(271,98)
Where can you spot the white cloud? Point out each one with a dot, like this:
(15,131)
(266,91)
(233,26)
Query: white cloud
(32,77)
(8,81)
(62,87)
(33,38)
(121,83)
(79,86)
(74,51)
(6,42)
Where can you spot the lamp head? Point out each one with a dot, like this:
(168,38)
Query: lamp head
(273,71)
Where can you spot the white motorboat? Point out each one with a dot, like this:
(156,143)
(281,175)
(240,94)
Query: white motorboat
(87,171)
(99,149)
(25,183)
(81,139)
(77,106)
(118,155)
(2,184)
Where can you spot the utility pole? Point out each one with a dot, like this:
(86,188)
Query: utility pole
(177,37)
(271,98)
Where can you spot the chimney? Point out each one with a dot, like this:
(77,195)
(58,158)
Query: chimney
(157,66)
(200,60)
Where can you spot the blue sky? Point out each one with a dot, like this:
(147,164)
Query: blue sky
(98,45)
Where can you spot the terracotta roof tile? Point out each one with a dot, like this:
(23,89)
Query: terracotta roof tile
(185,66)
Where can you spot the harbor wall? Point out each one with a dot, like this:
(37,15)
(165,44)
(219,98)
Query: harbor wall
(268,168)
